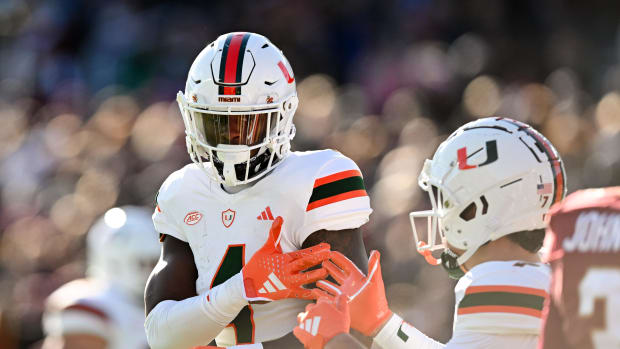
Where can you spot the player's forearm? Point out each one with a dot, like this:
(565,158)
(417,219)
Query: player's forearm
(197,320)
(397,334)
(348,242)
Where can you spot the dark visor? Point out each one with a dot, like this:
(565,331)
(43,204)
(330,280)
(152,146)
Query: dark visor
(249,129)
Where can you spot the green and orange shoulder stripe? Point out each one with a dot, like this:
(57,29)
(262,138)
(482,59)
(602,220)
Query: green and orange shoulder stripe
(502,299)
(336,187)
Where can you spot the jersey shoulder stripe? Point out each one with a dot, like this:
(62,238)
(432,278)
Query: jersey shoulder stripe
(336,177)
(87,308)
(502,299)
(336,187)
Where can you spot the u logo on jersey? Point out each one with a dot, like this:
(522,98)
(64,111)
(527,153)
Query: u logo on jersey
(228,217)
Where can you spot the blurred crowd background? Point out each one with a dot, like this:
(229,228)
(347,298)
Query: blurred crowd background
(88,119)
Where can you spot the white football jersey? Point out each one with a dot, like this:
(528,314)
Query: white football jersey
(502,297)
(88,306)
(310,190)
(498,305)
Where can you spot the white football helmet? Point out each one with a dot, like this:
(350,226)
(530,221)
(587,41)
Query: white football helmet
(492,177)
(238,107)
(123,248)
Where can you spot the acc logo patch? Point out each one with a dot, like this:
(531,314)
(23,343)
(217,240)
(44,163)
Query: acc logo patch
(192,218)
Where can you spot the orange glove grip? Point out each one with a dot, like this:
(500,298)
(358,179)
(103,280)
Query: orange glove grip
(366,295)
(322,321)
(271,275)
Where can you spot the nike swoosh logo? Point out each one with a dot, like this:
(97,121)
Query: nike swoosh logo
(196,81)
(269,83)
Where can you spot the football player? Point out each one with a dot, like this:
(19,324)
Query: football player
(214,214)
(490,185)
(105,310)
(583,245)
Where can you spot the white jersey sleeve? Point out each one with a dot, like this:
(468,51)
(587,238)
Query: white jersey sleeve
(398,334)
(338,198)
(467,340)
(498,305)
(502,297)
(163,217)
(77,308)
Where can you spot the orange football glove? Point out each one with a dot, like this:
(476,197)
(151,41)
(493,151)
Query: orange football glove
(271,275)
(366,295)
(323,321)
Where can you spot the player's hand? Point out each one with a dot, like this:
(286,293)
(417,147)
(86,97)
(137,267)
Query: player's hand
(271,275)
(323,321)
(366,295)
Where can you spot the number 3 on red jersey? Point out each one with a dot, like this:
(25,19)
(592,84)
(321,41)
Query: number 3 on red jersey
(604,284)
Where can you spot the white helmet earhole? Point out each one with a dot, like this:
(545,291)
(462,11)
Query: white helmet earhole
(469,212)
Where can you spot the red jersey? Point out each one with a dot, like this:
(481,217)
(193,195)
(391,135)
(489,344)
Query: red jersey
(583,248)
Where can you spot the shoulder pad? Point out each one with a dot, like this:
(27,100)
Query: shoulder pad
(178,180)
(84,295)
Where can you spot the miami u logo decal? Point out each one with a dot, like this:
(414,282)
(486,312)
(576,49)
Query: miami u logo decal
(491,147)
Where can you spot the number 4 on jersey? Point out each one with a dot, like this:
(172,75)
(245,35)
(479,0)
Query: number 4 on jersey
(231,264)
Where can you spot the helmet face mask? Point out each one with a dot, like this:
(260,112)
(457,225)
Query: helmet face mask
(442,202)
(242,122)
(490,178)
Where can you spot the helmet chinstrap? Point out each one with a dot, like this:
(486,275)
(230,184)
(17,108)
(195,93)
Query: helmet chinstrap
(258,164)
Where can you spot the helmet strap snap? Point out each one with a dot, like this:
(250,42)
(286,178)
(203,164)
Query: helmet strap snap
(451,265)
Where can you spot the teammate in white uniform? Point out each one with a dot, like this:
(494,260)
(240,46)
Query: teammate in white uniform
(215,214)
(490,184)
(105,310)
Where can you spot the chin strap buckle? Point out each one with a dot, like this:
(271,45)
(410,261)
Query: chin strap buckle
(427,254)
